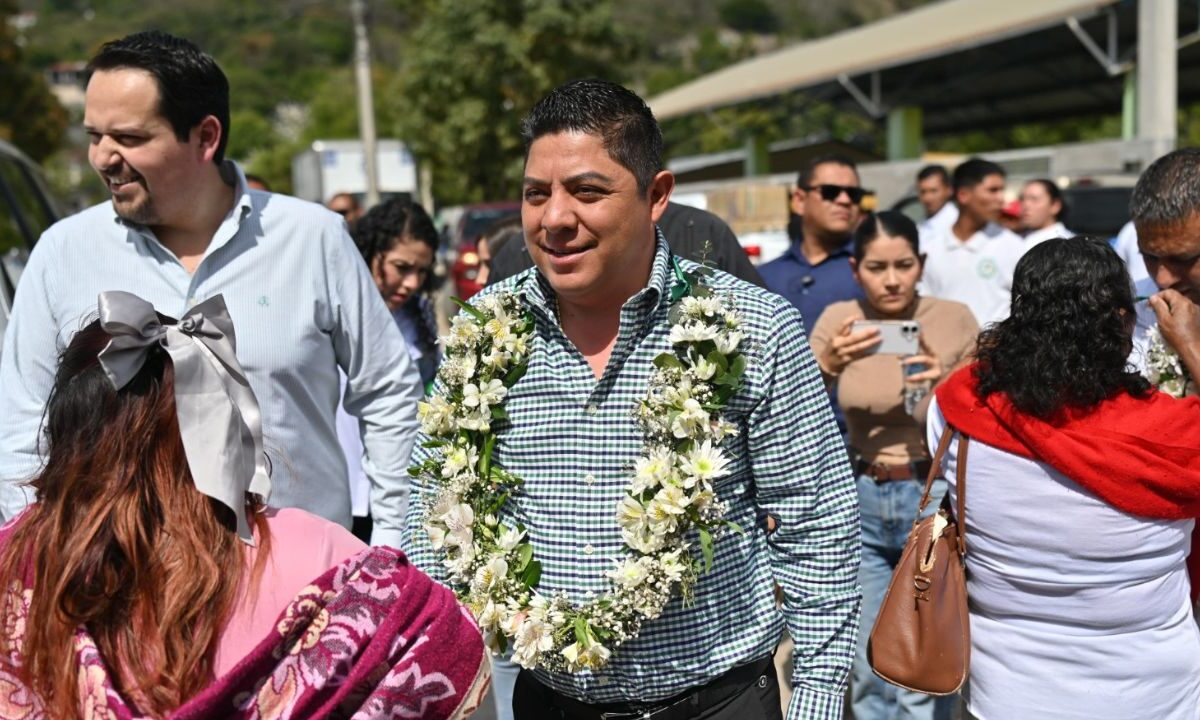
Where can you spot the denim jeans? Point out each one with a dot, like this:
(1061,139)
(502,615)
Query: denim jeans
(888,510)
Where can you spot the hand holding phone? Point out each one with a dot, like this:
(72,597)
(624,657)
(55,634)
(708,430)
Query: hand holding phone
(896,337)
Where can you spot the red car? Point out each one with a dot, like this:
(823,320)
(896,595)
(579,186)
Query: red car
(475,221)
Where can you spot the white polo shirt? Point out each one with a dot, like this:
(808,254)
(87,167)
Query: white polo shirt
(940,220)
(1050,232)
(977,273)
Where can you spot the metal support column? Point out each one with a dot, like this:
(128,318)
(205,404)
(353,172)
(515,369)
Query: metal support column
(1157,73)
(904,133)
(758,157)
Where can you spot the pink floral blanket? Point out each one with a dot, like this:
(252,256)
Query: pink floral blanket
(371,638)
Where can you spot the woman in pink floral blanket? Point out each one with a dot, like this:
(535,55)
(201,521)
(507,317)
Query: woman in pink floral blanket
(149,580)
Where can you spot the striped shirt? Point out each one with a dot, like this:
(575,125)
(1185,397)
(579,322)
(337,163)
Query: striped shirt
(304,305)
(573,439)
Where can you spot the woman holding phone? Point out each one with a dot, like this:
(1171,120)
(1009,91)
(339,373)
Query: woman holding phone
(874,378)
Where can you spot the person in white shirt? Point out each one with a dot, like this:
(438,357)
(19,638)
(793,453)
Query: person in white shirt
(972,261)
(937,197)
(1126,245)
(1041,212)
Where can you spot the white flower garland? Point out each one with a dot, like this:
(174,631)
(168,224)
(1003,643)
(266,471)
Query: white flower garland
(670,492)
(1163,367)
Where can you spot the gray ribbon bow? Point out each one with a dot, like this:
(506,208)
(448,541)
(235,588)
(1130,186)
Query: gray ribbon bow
(219,417)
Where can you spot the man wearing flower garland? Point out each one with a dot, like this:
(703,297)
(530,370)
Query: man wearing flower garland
(609,433)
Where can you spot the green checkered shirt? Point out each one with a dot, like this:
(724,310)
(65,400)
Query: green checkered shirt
(573,439)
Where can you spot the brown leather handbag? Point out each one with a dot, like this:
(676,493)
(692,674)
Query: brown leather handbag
(922,638)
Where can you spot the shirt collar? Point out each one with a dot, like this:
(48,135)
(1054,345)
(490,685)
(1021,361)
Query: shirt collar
(231,173)
(846,250)
(540,295)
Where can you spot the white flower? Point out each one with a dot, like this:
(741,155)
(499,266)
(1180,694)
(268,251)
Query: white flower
(704,462)
(642,539)
(727,342)
(491,574)
(630,513)
(479,420)
(593,656)
(510,539)
(437,535)
(703,369)
(671,565)
(629,573)
(691,420)
(652,470)
(485,395)
(698,307)
(533,638)
(458,459)
(489,618)
(460,523)
(691,332)
(671,500)
(437,416)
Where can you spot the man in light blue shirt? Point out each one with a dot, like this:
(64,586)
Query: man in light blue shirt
(183,226)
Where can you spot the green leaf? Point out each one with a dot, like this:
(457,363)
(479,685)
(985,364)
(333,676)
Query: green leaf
(524,555)
(466,307)
(667,360)
(738,367)
(706,548)
(414,471)
(515,374)
(532,573)
(433,444)
(581,632)
(499,413)
(719,360)
(502,642)
(735,527)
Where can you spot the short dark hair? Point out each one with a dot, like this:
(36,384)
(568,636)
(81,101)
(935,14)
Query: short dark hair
(973,171)
(1066,343)
(938,171)
(385,224)
(1168,192)
(804,179)
(887,222)
(630,134)
(191,85)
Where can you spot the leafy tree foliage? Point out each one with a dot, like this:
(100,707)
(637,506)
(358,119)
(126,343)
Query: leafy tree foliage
(30,116)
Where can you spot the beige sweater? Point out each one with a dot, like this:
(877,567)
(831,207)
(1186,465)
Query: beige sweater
(870,390)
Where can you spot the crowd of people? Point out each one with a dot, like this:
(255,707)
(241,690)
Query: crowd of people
(632,467)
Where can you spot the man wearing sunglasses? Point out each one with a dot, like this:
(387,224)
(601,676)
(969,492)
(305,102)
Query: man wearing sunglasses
(825,207)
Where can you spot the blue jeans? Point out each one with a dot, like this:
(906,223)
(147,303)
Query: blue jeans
(888,510)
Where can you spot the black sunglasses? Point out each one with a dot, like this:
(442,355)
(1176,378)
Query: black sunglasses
(830,193)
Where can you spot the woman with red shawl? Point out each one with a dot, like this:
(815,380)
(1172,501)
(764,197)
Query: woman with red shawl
(1082,485)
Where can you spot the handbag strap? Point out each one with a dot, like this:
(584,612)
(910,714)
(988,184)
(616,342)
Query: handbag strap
(960,474)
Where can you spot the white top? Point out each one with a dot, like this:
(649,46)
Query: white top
(1050,232)
(977,273)
(1127,247)
(304,306)
(940,220)
(1146,319)
(1078,611)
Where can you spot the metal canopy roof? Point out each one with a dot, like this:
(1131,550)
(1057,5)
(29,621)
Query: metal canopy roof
(969,64)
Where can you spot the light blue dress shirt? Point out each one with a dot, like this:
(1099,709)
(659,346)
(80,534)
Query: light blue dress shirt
(303,305)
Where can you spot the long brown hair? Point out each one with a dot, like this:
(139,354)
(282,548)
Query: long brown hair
(120,541)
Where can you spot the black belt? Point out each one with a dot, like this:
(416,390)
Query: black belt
(882,472)
(681,707)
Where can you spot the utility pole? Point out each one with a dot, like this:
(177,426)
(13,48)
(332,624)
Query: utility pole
(366,100)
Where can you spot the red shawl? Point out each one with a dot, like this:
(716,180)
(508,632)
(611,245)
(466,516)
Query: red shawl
(1140,455)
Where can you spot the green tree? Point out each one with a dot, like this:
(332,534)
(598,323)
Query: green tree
(475,67)
(30,116)
(754,16)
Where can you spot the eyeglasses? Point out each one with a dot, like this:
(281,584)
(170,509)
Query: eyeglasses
(830,193)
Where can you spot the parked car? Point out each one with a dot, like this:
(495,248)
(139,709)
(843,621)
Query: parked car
(26,210)
(474,222)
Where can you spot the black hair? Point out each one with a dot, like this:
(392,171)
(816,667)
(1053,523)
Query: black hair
(1055,193)
(623,121)
(382,227)
(804,179)
(1168,192)
(974,171)
(1067,341)
(938,171)
(502,232)
(887,222)
(191,85)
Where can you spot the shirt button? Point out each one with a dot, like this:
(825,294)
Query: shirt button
(588,549)
(590,409)
(191,302)
(602,680)
(589,479)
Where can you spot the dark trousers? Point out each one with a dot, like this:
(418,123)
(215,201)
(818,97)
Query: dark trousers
(758,699)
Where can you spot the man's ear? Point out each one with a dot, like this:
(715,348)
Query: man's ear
(209,133)
(660,193)
(797,200)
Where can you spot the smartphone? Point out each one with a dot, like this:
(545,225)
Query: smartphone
(898,337)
